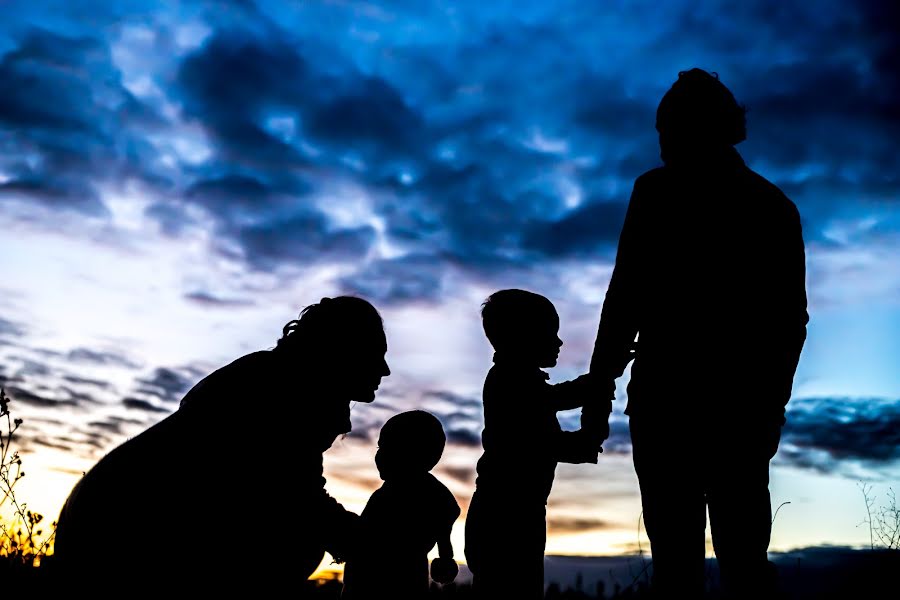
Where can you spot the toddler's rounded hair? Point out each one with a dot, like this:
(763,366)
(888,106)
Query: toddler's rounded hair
(419,433)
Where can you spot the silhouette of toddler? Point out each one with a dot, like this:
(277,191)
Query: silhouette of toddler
(404,518)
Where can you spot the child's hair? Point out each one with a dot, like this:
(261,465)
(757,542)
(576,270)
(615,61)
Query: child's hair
(420,435)
(506,315)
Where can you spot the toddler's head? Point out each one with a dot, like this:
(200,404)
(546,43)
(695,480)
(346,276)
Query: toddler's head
(410,443)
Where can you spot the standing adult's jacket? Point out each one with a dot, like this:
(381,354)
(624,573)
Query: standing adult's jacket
(710,279)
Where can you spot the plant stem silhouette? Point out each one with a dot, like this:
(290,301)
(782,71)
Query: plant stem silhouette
(883,521)
(22,543)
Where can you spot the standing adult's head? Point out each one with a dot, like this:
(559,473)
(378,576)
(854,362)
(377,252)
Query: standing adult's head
(698,117)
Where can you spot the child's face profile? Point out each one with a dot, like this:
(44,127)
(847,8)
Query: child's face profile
(390,460)
(546,340)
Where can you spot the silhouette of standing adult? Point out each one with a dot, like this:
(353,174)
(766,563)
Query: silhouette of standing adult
(710,278)
(227,493)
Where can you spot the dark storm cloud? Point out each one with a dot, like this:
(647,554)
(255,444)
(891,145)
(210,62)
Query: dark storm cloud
(168,385)
(261,96)
(209,300)
(273,222)
(27,367)
(409,278)
(10,330)
(64,115)
(825,433)
(300,240)
(55,444)
(38,399)
(464,437)
(101,357)
(459,415)
(584,231)
(446,134)
(143,405)
(823,126)
(258,98)
(450,401)
(85,381)
(461,474)
(115,425)
(231,81)
(369,112)
(509,148)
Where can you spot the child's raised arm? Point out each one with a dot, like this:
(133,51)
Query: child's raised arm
(575,393)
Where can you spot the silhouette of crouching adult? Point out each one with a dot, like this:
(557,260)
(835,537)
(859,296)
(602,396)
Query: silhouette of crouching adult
(227,493)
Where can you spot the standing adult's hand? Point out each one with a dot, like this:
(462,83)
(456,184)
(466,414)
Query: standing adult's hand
(595,414)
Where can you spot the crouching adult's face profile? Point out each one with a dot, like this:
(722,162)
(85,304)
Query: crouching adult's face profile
(362,367)
(338,348)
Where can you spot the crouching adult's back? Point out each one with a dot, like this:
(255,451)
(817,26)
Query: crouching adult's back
(227,493)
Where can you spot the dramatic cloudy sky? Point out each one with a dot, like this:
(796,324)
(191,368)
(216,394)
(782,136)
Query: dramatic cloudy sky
(178,179)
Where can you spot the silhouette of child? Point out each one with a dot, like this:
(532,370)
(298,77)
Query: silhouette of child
(506,524)
(404,518)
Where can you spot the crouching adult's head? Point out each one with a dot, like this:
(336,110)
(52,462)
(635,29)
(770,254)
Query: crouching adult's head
(341,338)
(334,354)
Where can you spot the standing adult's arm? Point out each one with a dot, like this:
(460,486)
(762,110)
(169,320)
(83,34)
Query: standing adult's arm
(790,291)
(619,318)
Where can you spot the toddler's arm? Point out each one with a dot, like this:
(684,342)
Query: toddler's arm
(444,568)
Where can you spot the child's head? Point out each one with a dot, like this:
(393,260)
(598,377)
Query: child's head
(410,443)
(523,324)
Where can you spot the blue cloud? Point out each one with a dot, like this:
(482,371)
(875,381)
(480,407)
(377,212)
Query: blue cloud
(510,147)
(68,122)
(827,433)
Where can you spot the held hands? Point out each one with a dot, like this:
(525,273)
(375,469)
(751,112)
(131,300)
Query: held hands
(586,449)
(595,415)
(444,570)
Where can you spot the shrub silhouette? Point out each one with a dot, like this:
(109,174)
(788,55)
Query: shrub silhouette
(23,542)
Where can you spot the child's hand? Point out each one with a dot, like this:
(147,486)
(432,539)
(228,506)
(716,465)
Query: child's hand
(579,448)
(444,570)
(595,422)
